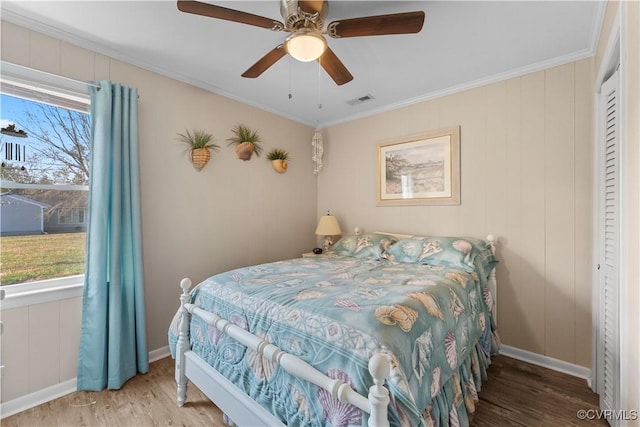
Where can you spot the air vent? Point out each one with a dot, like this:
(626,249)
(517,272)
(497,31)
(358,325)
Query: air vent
(360,100)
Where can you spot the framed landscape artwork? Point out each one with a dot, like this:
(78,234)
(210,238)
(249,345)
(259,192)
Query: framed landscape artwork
(421,169)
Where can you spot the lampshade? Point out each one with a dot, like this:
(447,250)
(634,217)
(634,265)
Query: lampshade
(328,226)
(305,46)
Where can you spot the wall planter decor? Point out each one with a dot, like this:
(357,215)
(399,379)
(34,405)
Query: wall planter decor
(279,160)
(247,142)
(422,169)
(200,146)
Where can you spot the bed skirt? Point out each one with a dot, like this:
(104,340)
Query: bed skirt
(455,402)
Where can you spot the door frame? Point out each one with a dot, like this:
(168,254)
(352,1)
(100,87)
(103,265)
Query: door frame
(614,57)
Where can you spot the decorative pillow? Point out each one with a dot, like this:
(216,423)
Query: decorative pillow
(456,252)
(363,246)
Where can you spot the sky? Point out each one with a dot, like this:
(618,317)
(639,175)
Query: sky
(12,111)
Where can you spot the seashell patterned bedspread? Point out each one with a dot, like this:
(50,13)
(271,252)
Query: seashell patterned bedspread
(433,323)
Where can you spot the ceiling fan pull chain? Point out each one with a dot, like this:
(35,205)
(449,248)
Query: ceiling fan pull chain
(290,95)
(319,67)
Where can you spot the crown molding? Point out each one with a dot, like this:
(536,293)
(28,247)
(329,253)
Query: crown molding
(68,36)
(517,72)
(83,41)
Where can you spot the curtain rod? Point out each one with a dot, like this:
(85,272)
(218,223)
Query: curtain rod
(20,71)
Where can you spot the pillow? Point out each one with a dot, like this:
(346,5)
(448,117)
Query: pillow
(456,252)
(363,246)
(485,261)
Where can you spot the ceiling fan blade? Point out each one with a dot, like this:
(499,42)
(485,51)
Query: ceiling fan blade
(219,12)
(265,62)
(396,23)
(334,67)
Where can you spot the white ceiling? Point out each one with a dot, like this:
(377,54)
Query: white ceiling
(462,45)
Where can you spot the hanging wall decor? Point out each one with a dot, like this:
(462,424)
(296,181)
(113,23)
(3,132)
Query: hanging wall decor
(318,151)
(12,131)
(279,160)
(13,151)
(247,142)
(13,154)
(200,144)
(422,169)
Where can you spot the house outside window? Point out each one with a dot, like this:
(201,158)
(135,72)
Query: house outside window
(73,216)
(44,148)
(70,216)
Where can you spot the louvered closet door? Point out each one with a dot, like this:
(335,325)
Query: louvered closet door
(608,334)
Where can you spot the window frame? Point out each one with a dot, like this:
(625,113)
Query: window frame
(41,291)
(38,86)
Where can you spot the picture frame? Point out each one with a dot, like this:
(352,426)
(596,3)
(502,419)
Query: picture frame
(422,169)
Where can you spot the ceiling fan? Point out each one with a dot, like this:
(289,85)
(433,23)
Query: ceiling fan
(304,20)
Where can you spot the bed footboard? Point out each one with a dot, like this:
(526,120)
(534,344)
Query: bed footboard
(183,344)
(375,404)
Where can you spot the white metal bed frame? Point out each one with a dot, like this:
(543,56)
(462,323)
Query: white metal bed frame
(244,411)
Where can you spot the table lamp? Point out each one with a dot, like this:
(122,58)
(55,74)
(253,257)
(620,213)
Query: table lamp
(328,227)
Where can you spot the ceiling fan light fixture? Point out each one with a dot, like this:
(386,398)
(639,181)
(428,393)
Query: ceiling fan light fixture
(305,46)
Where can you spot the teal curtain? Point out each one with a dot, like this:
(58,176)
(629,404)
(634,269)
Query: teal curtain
(113,344)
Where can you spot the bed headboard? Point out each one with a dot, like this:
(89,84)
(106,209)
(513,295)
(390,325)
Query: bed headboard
(396,235)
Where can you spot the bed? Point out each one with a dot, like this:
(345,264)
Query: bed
(382,330)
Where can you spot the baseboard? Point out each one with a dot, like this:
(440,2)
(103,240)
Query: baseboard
(547,362)
(36,398)
(159,353)
(45,395)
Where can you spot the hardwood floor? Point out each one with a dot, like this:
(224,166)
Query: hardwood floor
(522,394)
(145,400)
(516,394)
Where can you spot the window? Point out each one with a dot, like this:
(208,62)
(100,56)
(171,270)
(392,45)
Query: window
(44,146)
(71,216)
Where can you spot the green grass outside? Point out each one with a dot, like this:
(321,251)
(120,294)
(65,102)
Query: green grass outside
(40,257)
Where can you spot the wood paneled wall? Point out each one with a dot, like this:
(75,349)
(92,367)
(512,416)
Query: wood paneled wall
(39,346)
(526,155)
(230,214)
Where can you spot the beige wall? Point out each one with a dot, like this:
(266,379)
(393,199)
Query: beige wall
(526,177)
(230,214)
(526,157)
(39,346)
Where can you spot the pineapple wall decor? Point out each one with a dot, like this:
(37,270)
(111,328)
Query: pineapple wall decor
(200,144)
(279,160)
(246,140)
